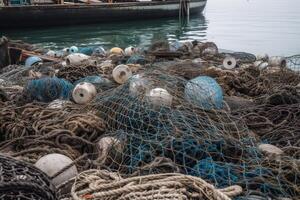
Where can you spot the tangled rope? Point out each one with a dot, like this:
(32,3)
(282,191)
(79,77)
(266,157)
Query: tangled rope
(99,184)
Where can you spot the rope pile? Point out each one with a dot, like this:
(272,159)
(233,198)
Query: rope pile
(99,184)
(148,138)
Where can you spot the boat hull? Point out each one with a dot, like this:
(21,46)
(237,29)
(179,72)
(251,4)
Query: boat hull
(54,15)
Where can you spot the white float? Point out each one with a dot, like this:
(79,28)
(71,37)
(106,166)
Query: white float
(53,163)
(277,61)
(76,58)
(262,57)
(84,92)
(261,64)
(229,62)
(159,97)
(137,85)
(121,73)
(107,143)
(51,53)
(129,51)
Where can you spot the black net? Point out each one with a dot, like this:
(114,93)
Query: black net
(22,181)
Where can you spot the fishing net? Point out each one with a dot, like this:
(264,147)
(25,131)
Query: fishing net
(149,135)
(20,180)
(34,130)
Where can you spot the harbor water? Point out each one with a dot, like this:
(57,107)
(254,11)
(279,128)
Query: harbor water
(255,26)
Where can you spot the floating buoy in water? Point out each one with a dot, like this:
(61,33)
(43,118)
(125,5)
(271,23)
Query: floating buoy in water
(121,73)
(76,58)
(205,92)
(263,57)
(159,97)
(73,49)
(137,85)
(270,150)
(229,62)
(32,60)
(129,51)
(50,53)
(277,61)
(54,163)
(84,92)
(117,51)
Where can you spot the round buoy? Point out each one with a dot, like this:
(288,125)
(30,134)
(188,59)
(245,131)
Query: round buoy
(73,49)
(277,61)
(32,60)
(117,51)
(84,92)
(229,62)
(270,150)
(53,163)
(65,51)
(99,51)
(51,53)
(129,51)
(107,143)
(205,92)
(159,97)
(121,73)
(263,57)
(76,58)
(137,85)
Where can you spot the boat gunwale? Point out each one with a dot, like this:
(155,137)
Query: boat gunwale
(96,5)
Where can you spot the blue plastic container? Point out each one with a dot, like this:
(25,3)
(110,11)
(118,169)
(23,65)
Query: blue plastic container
(205,92)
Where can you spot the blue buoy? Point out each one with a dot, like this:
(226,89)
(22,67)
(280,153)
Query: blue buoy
(205,92)
(73,49)
(32,60)
(99,51)
(86,50)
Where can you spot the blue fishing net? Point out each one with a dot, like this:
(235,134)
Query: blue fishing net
(48,89)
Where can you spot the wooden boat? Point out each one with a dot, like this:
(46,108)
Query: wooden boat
(84,13)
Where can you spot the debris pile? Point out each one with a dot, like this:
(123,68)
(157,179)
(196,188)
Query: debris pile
(176,121)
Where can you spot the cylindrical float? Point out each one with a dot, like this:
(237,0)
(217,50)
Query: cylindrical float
(129,51)
(99,51)
(53,163)
(117,51)
(76,58)
(159,97)
(262,57)
(50,53)
(121,73)
(229,62)
(84,92)
(261,64)
(205,92)
(137,85)
(73,49)
(277,61)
